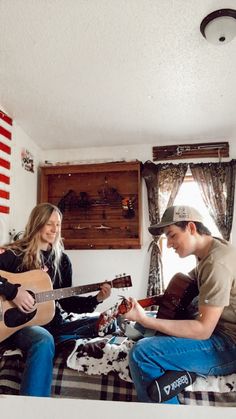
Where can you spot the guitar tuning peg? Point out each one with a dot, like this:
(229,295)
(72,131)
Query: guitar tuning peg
(124,274)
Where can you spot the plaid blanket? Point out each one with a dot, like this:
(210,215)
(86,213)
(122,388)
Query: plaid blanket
(72,383)
(67,382)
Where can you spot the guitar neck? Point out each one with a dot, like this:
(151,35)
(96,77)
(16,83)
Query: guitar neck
(151,301)
(57,294)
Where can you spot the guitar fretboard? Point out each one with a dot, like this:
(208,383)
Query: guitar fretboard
(57,294)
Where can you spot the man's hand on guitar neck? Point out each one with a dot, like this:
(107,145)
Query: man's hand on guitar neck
(24,300)
(136,313)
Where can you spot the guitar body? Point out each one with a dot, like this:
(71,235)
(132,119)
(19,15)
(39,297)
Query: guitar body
(11,318)
(175,301)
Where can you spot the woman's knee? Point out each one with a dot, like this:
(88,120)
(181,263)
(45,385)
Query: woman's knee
(34,337)
(44,339)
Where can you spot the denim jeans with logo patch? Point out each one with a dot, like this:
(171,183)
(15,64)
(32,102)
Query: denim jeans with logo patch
(150,357)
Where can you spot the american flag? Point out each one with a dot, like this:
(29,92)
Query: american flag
(5,165)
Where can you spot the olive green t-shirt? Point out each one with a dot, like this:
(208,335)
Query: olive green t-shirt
(216,277)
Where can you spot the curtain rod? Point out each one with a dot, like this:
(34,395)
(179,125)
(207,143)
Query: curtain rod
(176,151)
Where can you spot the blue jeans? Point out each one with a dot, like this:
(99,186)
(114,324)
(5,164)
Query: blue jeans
(150,357)
(82,328)
(38,345)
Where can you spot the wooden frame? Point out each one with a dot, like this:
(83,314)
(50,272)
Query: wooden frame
(101,203)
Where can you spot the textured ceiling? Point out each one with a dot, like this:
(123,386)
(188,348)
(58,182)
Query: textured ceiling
(80,73)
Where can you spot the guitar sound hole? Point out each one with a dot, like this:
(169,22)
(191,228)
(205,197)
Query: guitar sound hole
(13,317)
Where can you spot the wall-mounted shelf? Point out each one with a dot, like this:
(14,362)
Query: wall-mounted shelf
(101,203)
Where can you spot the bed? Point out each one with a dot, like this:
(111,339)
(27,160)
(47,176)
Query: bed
(79,374)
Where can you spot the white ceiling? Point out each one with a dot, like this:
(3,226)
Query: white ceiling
(81,73)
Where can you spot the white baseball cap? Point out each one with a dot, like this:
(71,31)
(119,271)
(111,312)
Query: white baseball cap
(174,215)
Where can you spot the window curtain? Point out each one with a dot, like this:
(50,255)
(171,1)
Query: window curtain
(163,182)
(217,185)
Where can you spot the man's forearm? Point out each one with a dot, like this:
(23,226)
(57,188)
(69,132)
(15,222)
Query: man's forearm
(192,329)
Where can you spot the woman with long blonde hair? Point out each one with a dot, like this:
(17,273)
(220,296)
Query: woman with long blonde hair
(41,247)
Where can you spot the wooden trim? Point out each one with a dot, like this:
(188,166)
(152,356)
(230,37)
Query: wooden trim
(91,168)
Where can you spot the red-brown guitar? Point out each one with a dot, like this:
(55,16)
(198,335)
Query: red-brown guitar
(172,304)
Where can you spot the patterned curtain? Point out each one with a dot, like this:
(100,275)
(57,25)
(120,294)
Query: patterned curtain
(217,185)
(163,182)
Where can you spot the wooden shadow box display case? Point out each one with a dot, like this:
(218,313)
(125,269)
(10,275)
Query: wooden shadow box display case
(101,203)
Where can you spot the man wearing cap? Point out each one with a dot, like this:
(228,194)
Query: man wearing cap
(165,363)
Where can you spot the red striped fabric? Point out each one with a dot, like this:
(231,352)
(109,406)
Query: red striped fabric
(5,148)
(5,165)
(5,118)
(4,209)
(5,133)
(4,194)
(4,179)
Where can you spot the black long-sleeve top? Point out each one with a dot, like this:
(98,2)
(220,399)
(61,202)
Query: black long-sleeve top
(11,262)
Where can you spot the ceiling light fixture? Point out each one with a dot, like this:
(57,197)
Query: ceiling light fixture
(219,27)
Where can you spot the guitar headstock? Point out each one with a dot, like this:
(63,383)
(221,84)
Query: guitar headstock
(107,318)
(122,281)
(124,306)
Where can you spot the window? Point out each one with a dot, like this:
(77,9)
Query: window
(189,194)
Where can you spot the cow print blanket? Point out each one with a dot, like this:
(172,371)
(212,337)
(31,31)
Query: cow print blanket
(98,356)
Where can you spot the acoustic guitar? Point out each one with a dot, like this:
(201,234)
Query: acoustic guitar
(39,285)
(172,304)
